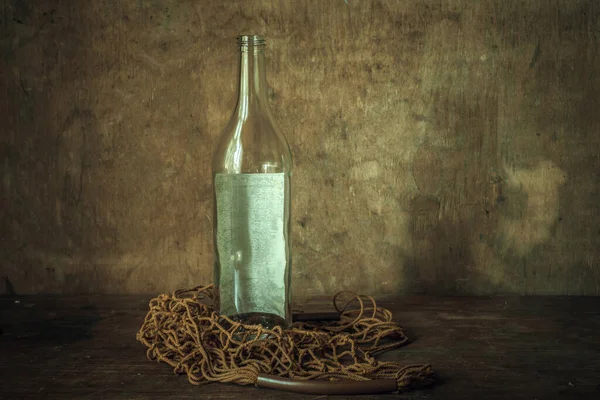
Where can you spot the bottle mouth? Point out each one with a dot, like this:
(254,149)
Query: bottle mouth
(251,40)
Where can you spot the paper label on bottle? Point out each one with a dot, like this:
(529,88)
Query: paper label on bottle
(251,243)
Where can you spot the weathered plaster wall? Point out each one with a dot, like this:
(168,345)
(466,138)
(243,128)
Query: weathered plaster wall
(440,146)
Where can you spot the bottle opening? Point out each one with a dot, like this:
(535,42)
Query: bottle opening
(251,40)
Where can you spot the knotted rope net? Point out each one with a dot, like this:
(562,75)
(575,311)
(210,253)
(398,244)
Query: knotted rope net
(184,331)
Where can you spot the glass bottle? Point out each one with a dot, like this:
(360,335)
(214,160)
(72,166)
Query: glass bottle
(251,170)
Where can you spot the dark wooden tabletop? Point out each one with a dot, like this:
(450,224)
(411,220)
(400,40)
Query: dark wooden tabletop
(84,347)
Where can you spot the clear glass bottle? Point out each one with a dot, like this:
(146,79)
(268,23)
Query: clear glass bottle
(251,170)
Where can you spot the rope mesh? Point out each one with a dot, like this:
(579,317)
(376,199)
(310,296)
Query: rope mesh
(183,331)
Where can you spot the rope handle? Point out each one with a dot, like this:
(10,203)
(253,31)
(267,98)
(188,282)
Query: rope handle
(373,386)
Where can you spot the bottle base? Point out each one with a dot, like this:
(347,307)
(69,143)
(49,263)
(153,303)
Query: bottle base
(267,320)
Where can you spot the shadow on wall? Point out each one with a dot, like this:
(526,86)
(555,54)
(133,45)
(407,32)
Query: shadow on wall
(487,247)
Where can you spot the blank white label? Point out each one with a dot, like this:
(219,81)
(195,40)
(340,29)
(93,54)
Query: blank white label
(251,243)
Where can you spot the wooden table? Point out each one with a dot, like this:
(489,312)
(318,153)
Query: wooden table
(84,347)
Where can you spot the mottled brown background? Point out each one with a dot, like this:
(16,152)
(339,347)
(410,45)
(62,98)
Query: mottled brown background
(440,146)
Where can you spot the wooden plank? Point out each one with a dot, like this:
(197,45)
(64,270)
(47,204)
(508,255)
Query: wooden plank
(494,347)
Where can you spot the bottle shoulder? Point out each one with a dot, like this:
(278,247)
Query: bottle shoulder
(252,145)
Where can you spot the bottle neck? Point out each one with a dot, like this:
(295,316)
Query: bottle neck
(252,79)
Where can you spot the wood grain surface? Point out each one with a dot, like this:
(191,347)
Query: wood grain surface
(84,347)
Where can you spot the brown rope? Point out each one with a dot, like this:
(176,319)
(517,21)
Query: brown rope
(191,337)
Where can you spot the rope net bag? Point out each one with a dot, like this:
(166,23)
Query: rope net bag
(185,332)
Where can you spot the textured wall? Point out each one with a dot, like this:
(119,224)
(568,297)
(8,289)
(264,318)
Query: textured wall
(440,146)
